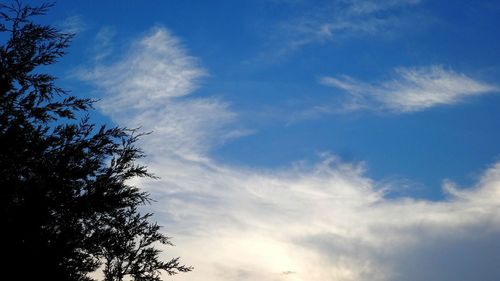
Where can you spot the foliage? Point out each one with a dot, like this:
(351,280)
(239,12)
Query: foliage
(67,207)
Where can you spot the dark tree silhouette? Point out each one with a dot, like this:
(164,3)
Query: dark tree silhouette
(66,206)
(128,247)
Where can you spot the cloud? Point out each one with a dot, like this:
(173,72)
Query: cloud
(154,72)
(103,43)
(326,221)
(410,89)
(148,87)
(344,19)
(73,24)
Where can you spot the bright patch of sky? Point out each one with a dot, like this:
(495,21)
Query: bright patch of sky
(307,140)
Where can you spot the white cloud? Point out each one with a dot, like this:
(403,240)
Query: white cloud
(73,24)
(411,89)
(329,222)
(370,6)
(147,88)
(154,72)
(348,18)
(103,43)
(325,222)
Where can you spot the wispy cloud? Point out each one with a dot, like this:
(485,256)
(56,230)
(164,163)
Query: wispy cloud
(103,43)
(73,24)
(147,89)
(410,89)
(327,221)
(342,19)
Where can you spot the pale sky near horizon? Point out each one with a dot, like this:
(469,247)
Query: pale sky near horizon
(344,140)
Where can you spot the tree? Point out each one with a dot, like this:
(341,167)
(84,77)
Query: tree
(67,206)
(128,250)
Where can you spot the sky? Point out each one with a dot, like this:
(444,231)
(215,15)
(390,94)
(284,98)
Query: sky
(343,140)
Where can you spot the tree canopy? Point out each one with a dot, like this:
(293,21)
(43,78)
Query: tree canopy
(68,207)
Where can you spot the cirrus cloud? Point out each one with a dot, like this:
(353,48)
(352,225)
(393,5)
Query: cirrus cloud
(344,19)
(411,89)
(148,88)
(326,221)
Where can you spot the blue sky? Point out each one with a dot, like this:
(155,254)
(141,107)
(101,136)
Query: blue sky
(347,138)
(255,62)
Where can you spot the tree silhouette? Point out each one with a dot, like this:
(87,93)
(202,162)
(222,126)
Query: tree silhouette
(66,204)
(128,248)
